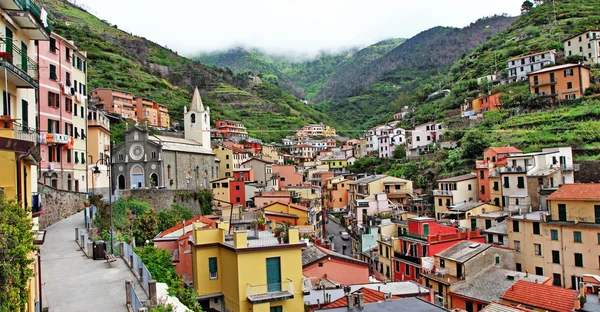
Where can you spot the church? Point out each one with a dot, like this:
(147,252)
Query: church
(147,161)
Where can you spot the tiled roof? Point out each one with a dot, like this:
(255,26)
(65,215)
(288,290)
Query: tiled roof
(505,149)
(209,224)
(576,191)
(370,296)
(463,251)
(459,178)
(503,307)
(313,254)
(295,206)
(553,299)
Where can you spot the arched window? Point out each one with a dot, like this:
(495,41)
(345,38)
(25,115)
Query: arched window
(154,179)
(121,182)
(193,118)
(169,172)
(120,156)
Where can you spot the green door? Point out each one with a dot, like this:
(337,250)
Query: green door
(273,274)
(473,224)
(9,42)
(276,309)
(425,230)
(562,212)
(23,56)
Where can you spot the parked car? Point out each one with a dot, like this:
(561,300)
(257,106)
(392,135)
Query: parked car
(345,236)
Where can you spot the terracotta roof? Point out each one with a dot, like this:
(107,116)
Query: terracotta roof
(209,225)
(505,149)
(577,192)
(295,206)
(554,298)
(370,296)
(463,177)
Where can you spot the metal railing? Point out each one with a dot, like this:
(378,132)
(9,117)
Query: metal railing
(442,193)
(136,303)
(272,291)
(137,266)
(82,239)
(25,133)
(20,63)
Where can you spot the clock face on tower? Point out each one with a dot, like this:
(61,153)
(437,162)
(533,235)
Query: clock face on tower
(136,152)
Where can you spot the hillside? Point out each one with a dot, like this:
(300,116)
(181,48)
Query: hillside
(120,60)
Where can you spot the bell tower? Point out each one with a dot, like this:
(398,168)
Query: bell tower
(196,121)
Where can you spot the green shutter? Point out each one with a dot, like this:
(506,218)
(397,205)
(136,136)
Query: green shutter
(273,274)
(554,234)
(212,265)
(76,158)
(68,155)
(52,72)
(50,124)
(9,42)
(82,157)
(23,56)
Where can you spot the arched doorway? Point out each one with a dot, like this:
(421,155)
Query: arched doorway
(121,182)
(54,180)
(137,177)
(154,180)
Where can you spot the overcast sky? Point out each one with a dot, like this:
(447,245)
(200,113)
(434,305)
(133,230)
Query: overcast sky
(299,27)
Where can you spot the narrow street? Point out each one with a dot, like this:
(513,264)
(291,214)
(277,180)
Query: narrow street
(72,282)
(333,229)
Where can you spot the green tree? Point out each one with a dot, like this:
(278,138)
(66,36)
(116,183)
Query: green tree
(526,6)
(16,246)
(145,227)
(400,152)
(474,143)
(168,218)
(403,99)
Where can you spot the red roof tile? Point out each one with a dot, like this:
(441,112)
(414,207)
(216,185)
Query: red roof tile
(576,191)
(553,299)
(210,224)
(505,149)
(370,296)
(295,206)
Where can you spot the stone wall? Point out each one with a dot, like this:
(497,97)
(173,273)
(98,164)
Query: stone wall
(161,199)
(58,204)
(589,172)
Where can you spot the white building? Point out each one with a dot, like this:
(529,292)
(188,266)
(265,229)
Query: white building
(520,66)
(586,44)
(423,135)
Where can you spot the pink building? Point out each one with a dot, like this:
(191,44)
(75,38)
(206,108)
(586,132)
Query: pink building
(174,240)
(266,198)
(320,263)
(288,176)
(62,114)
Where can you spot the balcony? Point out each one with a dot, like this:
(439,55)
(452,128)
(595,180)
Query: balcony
(442,193)
(22,71)
(413,236)
(517,169)
(270,292)
(544,83)
(415,260)
(57,139)
(19,131)
(29,18)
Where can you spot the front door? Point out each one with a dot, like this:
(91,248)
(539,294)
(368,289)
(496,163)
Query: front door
(273,274)
(137,181)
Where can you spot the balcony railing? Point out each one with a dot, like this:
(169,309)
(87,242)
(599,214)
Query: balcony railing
(415,260)
(517,169)
(413,235)
(20,63)
(270,292)
(442,193)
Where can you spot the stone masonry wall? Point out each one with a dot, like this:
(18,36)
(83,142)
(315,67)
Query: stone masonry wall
(589,172)
(161,199)
(58,204)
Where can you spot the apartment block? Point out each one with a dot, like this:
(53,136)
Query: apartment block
(519,67)
(455,190)
(423,135)
(63,115)
(114,102)
(586,44)
(98,150)
(230,128)
(568,81)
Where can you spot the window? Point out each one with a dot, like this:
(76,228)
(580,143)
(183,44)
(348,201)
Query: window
(407,269)
(442,263)
(517,245)
(68,105)
(53,99)
(397,266)
(554,235)
(276,309)
(212,268)
(506,182)
(469,187)
(579,260)
(556,256)
(68,79)
(569,85)
(519,268)
(497,260)
(68,155)
(521,182)
(537,248)
(67,54)
(568,72)
(556,279)
(53,72)
(320,264)
(52,45)
(539,271)
(488,224)
(440,202)
(577,236)
(515,225)
(496,187)
(599,238)
(536,228)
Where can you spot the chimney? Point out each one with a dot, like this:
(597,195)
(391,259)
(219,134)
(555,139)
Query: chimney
(350,300)
(526,273)
(361,299)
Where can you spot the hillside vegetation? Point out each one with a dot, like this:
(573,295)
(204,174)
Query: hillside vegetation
(120,60)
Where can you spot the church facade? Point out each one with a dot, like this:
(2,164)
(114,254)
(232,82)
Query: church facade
(144,160)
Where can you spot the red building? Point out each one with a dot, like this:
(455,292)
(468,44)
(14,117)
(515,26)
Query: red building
(425,238)
(252,147)
(237,187)
(229,128)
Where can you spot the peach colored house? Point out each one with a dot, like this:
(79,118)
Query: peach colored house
(115,102)
(319,263)
(174,240)
(288,175)
(337,192)
(266,198)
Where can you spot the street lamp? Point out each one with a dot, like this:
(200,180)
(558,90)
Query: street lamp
(97,173)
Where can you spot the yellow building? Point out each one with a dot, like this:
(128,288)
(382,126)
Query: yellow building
(247,271)
(81,174)
(454,190)
(98,150)
(225,155)
(336,163)
(21,24)
(563,242)
(397,190)
(300,211)
(220,190)
(271,154)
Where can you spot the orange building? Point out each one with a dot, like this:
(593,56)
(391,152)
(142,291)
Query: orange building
(114,102)
(490,102)
(337,192)
(145,109)
(492,157)
(163,117)
(568,81)
(288,175)
(174,240)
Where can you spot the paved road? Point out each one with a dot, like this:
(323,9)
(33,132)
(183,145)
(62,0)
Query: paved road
(334,229)
(72,282)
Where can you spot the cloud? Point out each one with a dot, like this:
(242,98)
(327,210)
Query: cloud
(287,26)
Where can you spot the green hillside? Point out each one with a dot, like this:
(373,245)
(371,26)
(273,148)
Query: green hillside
(120,60)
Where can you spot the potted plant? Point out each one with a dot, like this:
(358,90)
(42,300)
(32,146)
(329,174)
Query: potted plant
(5,56)
(277,231)
(86,204)
(262,223)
